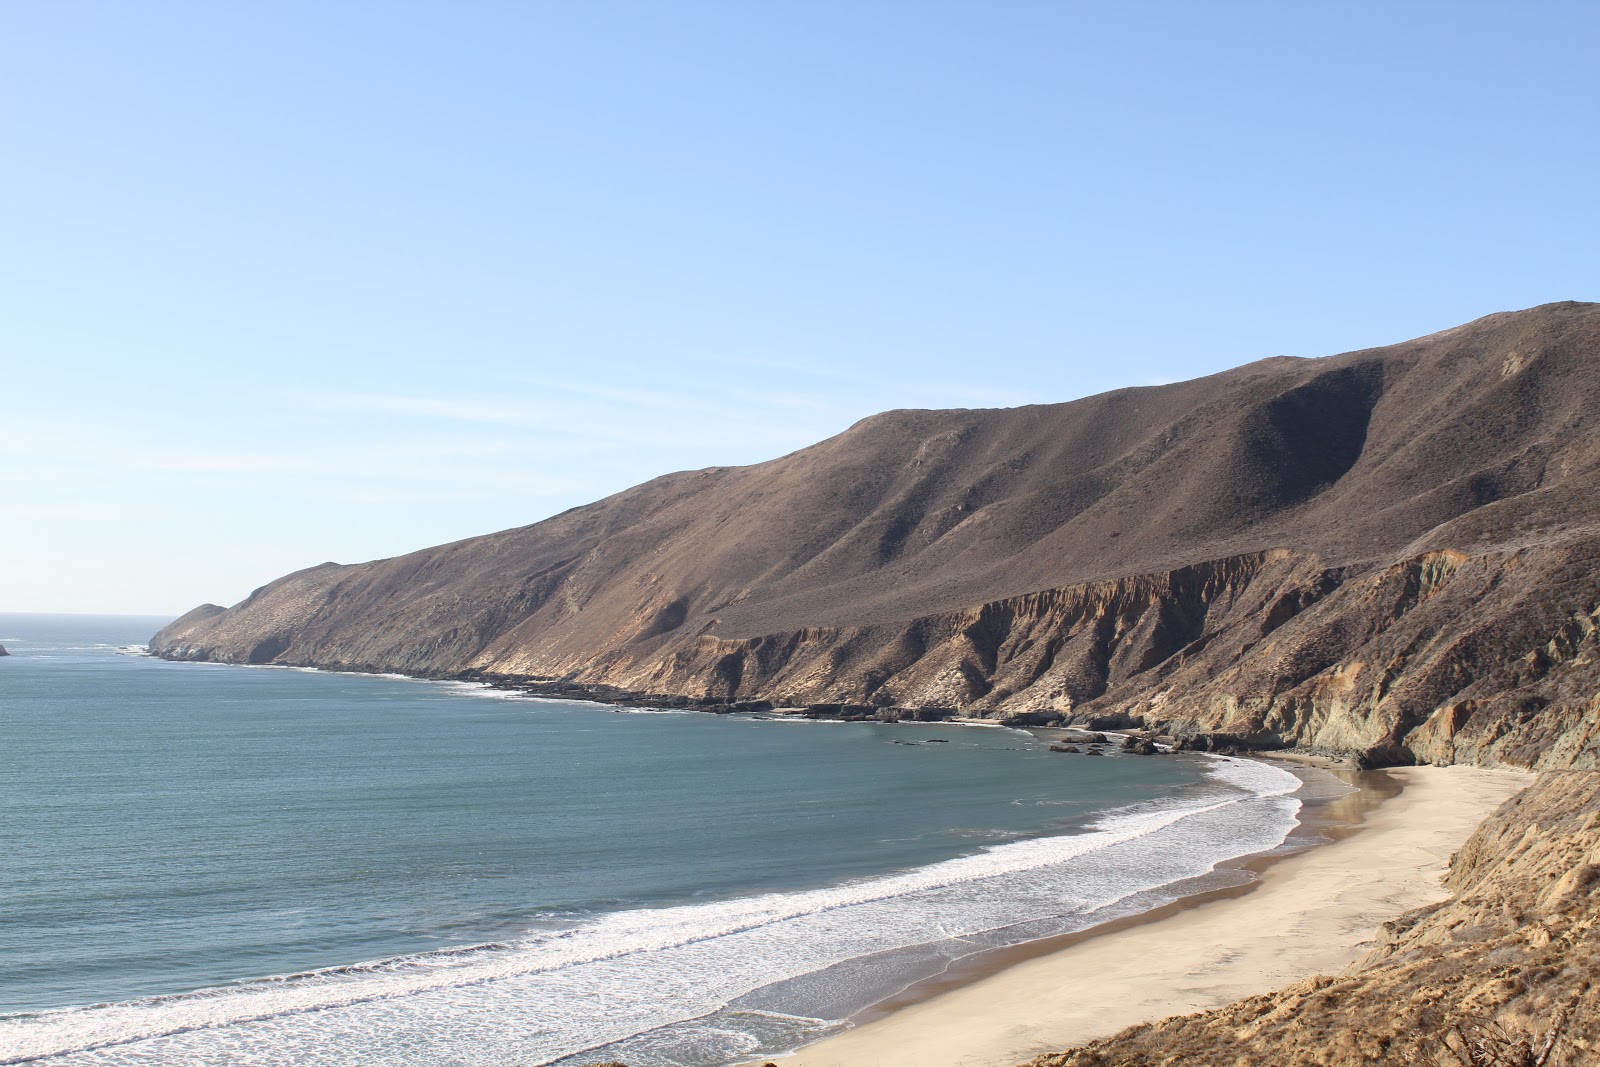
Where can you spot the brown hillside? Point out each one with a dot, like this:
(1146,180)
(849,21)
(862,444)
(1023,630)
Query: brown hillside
(1389,552)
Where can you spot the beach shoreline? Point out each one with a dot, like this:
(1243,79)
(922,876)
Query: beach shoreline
(1307,910)
(1323,820)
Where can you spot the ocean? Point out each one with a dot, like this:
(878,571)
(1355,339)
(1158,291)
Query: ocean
(206,864)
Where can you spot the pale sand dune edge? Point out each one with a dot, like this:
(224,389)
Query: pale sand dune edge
(1310,914)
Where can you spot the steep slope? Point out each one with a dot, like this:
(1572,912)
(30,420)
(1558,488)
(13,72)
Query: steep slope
(1389,552)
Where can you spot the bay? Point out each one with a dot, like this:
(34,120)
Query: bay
(418,854)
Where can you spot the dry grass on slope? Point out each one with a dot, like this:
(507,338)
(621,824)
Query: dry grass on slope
(1506,973)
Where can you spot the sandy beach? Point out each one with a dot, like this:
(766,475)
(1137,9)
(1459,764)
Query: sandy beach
(1309,913)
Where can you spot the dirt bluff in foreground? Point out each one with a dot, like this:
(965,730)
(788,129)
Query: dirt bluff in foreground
(1389,552)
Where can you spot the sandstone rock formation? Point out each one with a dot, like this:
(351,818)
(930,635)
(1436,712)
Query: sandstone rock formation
(1390,553)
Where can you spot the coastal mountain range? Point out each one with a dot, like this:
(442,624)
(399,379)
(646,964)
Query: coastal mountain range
(1391,553)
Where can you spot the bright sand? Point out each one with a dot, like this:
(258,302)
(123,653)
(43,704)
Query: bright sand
(1309,913)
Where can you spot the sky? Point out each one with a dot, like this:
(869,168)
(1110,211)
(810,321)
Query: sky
(290,282)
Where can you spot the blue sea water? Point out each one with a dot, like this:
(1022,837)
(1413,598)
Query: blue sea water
(206,864)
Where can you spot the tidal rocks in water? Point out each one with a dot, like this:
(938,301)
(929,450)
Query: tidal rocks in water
(1140,746)
(1227,744)
(929,714)
(845,712)
(1065,748)
(3,651)
(1032,718)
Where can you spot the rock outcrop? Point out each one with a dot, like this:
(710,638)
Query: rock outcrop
(1512,959)
(1390,553)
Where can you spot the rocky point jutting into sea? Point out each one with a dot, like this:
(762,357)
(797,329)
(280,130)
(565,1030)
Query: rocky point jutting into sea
(1389,554)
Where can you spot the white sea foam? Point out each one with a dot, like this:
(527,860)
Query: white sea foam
(1253,776)
(631,973)
(478,689)
(268,667)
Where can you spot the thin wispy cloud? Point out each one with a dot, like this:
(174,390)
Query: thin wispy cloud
(708,395)
(429,407)
(978,396)
(786,365)
(642,398)
(575,420)
(96,511)
(838,382)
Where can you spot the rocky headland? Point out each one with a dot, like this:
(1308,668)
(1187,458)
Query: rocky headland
(1389,554)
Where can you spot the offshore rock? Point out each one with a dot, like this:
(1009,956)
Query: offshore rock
(1392,554)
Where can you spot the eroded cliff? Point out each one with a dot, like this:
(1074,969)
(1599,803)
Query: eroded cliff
(1389,552)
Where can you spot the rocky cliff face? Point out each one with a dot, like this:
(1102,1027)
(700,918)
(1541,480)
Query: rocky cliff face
(1510,961)
(1390,553)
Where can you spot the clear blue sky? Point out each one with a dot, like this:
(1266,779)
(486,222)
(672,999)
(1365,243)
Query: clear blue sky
(288,282)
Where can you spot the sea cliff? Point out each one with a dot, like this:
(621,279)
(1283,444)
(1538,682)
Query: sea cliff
(1389,554)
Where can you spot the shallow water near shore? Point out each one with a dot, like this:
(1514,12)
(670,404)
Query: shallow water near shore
(209,864)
